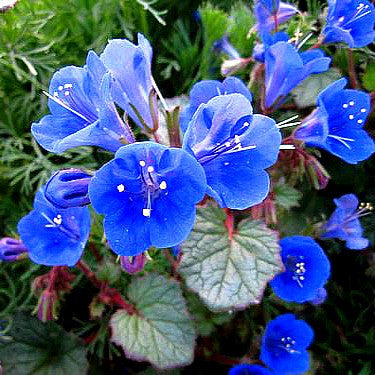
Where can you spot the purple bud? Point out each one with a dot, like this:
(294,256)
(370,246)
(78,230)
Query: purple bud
(316,173)
(47,306)
(68,188)
(320,297)
(133,264)
(11,249)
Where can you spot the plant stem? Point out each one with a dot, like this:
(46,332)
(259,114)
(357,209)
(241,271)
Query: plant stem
(351,69)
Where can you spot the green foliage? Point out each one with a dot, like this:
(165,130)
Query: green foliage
(369,77)
(286,196)
(229,273)
(161,331)
(37,348)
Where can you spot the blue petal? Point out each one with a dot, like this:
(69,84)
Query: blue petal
(131,67)
(245,369)
(54,245)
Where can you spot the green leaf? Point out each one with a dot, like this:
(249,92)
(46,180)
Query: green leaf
(38,348)
(229,274)
(161,332)
(286,196)
(306,92)
(369,77)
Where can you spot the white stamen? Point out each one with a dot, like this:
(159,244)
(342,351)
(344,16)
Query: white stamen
(163,185)
(287,147)
(351,103)
(142,163)
(150,169)
(341,19)
(146,212)
(226,163)
(289,125)
(57,220)
(68,85)
(351,117)
(237,139)
(120,188)
(66,93)
(287,120)
(246,124)
(60,88)
(345,105)
(363,110)
(227,144)
(360,121)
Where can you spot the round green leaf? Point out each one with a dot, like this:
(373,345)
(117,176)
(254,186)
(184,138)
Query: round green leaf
(229,274)
(161,331)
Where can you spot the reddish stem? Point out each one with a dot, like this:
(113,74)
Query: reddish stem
(351,69)
(229,223)
(52,276)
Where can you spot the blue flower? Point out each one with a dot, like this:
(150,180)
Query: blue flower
(223,45)
(268,40)
(351,22)
(54,236)
(286,68)
(234,147)
(11,249)
(203,91)
(344,222)
(245,369)
(131,66)
(82,111)
(307,269)
(271,13)
(284,345)
(68,188)
(336,125)
(148,194)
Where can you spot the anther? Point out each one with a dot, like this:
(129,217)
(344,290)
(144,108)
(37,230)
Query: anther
(351,117)
(345,105)
(57,220)
(363,110)
(142,163)
(66,93)
(150,169)
(120,188)
(163,185)
(146,212)
(227,144)
(60,88)
(351,103)
(246,124)
(360,121)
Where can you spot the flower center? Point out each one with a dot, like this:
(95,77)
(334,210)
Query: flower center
(57,222)
(296,265)
(361,11)
(288,344)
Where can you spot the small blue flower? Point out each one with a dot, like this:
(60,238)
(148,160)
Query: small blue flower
(11,249)
(344,222)
(130,65)
(234,147)
(336,125)
(268,40)
(203,91)
(82,111)
(284,345)
(54,236)
(68,188)
(223,45)
(271,13)
(351,22)
(148,194)
(307,269)
(245,369)
(286,68)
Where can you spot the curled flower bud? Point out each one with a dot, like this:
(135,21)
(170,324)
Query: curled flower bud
(231,66)
(133,264)
(11,249)
(316,173)
(47,306)
(68,188)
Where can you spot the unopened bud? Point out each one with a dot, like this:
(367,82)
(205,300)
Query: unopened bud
(316,174)
(12,249)
(133,264)
(223,45)
(47,306)
(231,66)
(68,188)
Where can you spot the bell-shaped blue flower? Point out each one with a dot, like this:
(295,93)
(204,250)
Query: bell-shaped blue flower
(307,269)
(336,125)
(148,194)
(271,13)
(130,64)
(68,188)
(351,22)
(234,147)
(284,345)
(344,222)
(11,249)
(54,236)
(203,91)
(268,40)
(286,68)
(245,369)
(82,110)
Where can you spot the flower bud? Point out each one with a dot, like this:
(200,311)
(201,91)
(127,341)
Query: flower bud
(316,174)
(231,66)
(133,264)
(68,188)
(11,249)
(224,46)
(47,306)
